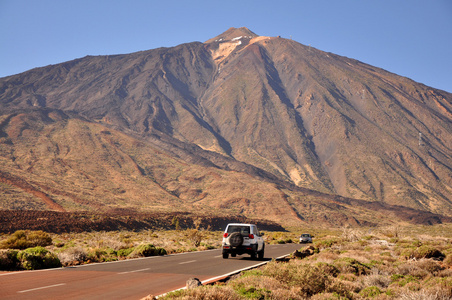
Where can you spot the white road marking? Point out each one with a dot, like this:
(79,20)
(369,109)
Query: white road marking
(41,288)
(187,262)
(133,271)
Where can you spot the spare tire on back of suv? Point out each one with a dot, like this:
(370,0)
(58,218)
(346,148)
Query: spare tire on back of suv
(236,239)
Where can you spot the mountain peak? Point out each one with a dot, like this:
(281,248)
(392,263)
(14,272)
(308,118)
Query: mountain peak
(233,33)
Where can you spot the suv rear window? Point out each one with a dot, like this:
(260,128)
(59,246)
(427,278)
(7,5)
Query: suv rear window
(244,230)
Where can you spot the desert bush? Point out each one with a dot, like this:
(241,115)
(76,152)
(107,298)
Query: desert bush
(448,260)
(8,260)
(429,265)
(370,292)
(391,231)
(195,236)
(175,222)
(427,251)
(125,252)
(255,279)
(445,273)
(204,292)
(254,293)
(343,289)
(323,244)
(72,256)
(328,269)
(351,234)
(23,239)
(145,250)
(265,287)
(59,244)
(101,255)
(310,280)
(351,265)
(38,258)
(376,279)
(402,280)
(425,294)
(327,255)
(407,244)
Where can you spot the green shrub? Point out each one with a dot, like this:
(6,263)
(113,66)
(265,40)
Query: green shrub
(370,292)
(403,280)
(124,252)
(328,269)
(396,277)
(426,251)
(23,239)
(253,293)
(8,260)
(111,252)
(351,265)
(145,250)
(102,255)
(341,290)
(309,279)
(253,272)
(96,255)
(326,243)
(161,251)
(38,258)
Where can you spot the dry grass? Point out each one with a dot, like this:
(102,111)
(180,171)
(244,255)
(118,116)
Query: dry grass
(87,247)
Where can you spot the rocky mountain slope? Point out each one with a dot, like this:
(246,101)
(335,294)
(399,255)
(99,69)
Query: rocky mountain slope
(241,123)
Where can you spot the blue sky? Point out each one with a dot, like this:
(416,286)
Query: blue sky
(412,38)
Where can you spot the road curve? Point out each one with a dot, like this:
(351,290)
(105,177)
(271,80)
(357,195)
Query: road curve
(128,279)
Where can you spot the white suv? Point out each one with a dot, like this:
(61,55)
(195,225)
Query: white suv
(243,238)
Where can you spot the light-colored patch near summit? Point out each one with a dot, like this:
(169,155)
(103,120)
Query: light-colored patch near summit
(226,47)
(258,39)
(223,51)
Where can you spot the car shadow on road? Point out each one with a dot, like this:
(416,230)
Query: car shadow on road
(253,259)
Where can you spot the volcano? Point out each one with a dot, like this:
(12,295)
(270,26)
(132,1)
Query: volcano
(240,124)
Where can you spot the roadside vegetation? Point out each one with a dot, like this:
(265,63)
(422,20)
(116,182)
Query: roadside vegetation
(69,249)
(386,263)
(410,262)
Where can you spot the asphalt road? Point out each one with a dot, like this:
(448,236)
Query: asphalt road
(129,279)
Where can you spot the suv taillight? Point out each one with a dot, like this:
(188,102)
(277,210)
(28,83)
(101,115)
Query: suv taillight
(225,235)
(251,236)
